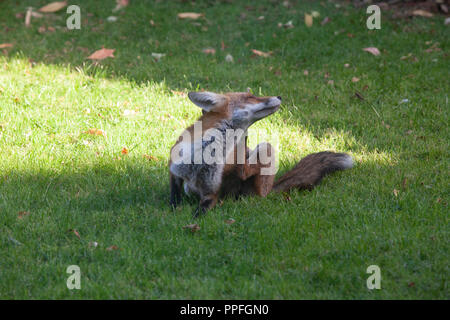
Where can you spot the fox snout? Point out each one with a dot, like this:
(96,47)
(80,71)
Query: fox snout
(264,109)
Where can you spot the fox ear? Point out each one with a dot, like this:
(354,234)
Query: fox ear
(207,100)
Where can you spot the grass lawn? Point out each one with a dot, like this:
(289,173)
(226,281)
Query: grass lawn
(390,210)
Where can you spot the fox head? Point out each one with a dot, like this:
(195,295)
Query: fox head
(242,108)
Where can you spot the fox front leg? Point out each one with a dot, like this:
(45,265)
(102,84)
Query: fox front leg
(175,191)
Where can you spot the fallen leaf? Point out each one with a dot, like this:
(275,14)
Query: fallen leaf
(422,13)
(22,214)
(96,132)
(325,21)
(75,232)
(288,25)
(150,157)
(5,45)
(365,87)
(178,93)
(347,65)
(36,14)
(330,82)
(350,35)
(372,50)
(308,20)
(193,227)
(261,53)
(93,244)
(211,51)
(411,284)
(190,15)
(305,72)
(124,150)
(113,247)
(396,192)
(158,56)
(120,4)
(102,54)
(355,79)
(53,7)
(359,95)
(230,221)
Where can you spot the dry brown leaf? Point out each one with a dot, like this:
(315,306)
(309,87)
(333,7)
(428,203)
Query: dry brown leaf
(211,51)
(113,247)
(359,95)
(422,13)
(5,45)
(101,54)
(190,15)
(53,6)
(124,150)
(178,93)
(355,79)
(372,50)
(96,132)
(261,53)
(230,221)
(120,4)
(308,20)
(150,157)
(193,227)
(22,214)
(75,232)
(325,21)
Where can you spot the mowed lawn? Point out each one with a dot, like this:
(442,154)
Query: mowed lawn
(84,148)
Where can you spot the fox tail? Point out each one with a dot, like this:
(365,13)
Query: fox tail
(311,169)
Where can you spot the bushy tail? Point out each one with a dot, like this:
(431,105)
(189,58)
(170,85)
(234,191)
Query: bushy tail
(311,169)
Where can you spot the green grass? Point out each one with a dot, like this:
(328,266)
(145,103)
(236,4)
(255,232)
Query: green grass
(314,245)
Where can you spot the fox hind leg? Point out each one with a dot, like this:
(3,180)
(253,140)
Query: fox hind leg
(260,167)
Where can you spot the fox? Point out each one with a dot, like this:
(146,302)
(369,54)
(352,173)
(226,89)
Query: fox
(237,170)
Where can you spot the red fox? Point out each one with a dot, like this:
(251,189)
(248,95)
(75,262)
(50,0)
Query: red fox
(235,169)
